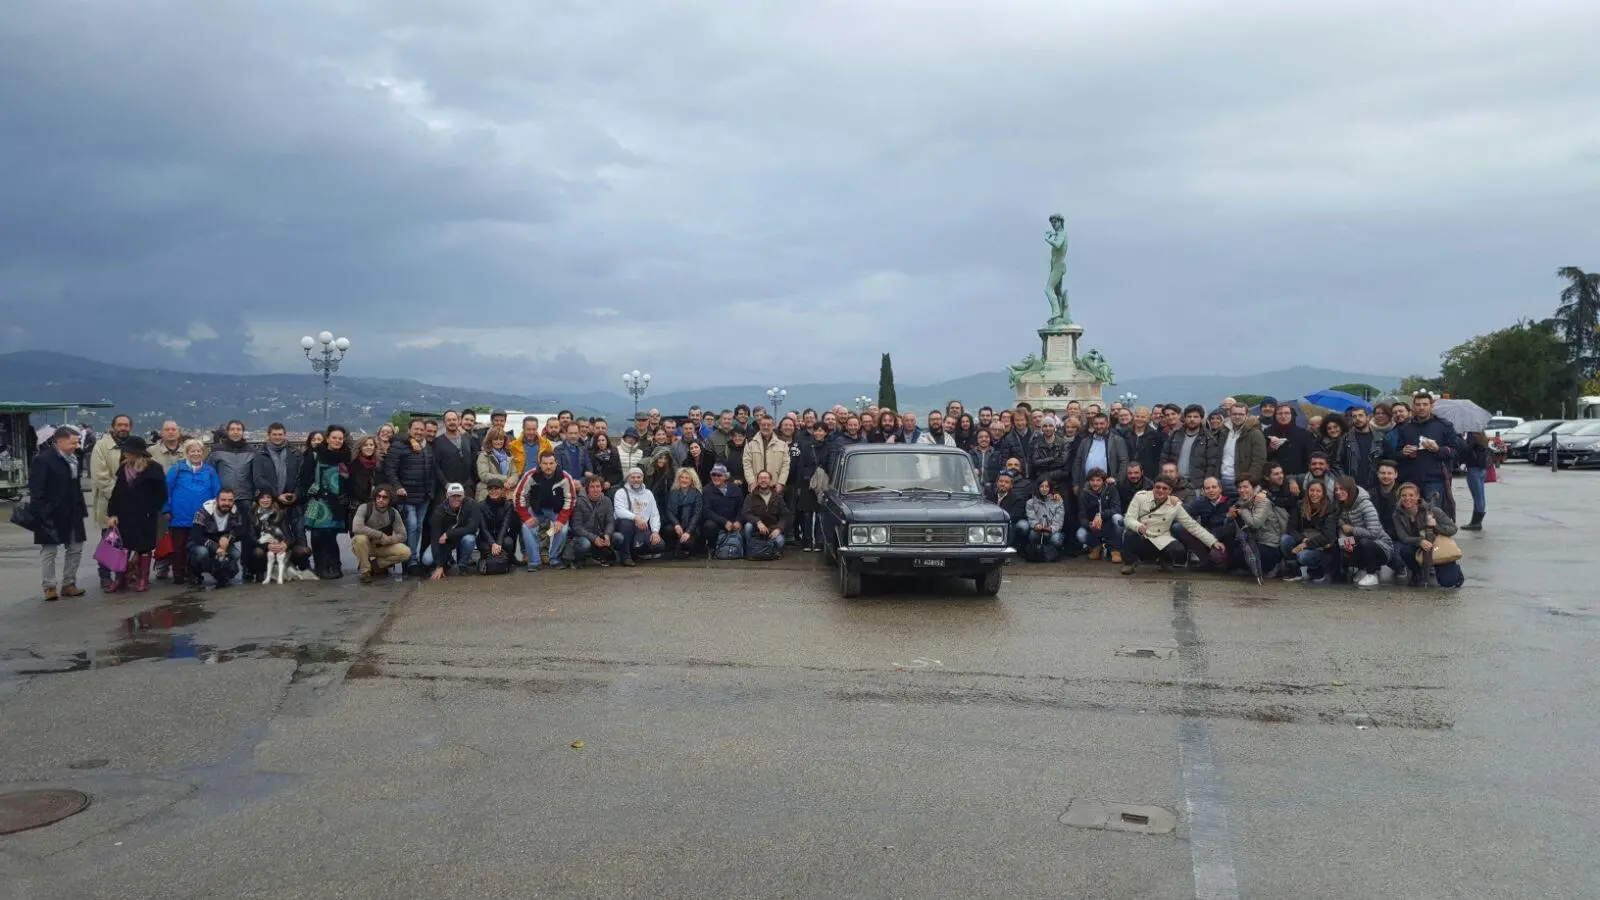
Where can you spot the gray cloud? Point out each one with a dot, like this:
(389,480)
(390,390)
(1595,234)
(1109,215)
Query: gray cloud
(567,190)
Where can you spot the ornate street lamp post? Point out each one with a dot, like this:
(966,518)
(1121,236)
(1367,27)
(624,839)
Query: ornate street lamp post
(862,403)
(637,384)
(776,395)
(332,353)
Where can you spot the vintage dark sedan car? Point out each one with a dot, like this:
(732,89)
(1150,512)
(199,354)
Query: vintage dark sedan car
(912,509)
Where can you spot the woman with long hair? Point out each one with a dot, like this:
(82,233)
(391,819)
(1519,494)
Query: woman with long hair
(1330,441)
(660,476)
(607,463)
(966,432)
(495,461)
(700,459)
(365,473)
(1310,543)
(1361,541)
(314,440)
(385,437)
(680,516)
(324,488)
(139,495)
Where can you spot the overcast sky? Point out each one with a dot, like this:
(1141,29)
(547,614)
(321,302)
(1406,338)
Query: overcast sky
(539,195)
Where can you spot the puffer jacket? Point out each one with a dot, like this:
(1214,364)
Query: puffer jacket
(1249,449)
(413,470)
(683,508)
(1263,519)
(234,461)
(1214,516)
(1047,511)
(1205,455)
(630,457)
(1047,457)
(1365,522)
(188,488)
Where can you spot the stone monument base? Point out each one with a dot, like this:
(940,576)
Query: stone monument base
(1058,377)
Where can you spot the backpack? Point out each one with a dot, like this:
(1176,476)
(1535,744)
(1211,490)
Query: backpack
(730,545)
(760,549)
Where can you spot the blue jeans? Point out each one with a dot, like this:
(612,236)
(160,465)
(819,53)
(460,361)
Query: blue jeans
(416,519)
(203,561)
(1475,488)
(628,538)
(1111,537)
(533,537)
(1311,559)
(1057,539)
(1019,533)
(458,552)
(750,532)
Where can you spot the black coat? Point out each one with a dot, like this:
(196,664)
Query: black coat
(137,506)
(413,470)
(1295,453)
(1145,449)
(56,499)
(264,474)
(454,466)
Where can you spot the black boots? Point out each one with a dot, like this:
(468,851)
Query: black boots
(1476,524)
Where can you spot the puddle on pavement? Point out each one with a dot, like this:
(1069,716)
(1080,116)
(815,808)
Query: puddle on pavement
(149,635)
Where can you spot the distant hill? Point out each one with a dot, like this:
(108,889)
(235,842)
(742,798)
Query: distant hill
(205,400)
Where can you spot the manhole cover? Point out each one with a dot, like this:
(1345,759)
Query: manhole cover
(22,810)
(1109,816)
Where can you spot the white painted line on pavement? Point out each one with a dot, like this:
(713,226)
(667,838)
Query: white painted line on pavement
(1205,802)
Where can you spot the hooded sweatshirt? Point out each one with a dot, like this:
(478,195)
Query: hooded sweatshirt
(637,502)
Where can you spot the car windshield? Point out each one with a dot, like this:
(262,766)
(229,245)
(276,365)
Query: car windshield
(908,472)
(1589,430)
(1528,429)
(1570,427)
(1501,424)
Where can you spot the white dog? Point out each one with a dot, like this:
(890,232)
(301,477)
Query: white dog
(272,533)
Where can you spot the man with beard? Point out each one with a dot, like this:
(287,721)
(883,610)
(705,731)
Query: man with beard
(1428,452)
(1019,440)
(1195,451)
(216,539)
(1244,447)
(1133,482)
(1102,450)
(986,461)
(936,433)
(1049,459)
(1360,449)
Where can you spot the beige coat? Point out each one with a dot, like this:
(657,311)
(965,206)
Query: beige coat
(167,459)
(104,463)
(1157,519)
(764,455)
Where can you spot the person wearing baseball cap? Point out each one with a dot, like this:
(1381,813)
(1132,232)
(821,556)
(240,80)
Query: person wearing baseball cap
(722,501)
(455,521)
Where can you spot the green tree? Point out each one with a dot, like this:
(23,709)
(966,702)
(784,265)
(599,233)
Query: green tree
(886,397)
(1358,389)
(1250,399)
(1578,318)
(1413,383)
(401,421)
(1522,370)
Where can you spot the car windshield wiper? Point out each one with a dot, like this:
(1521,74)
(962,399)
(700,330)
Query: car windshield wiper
(924,490)
(874,490)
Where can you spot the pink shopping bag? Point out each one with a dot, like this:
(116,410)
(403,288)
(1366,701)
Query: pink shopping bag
(111,554)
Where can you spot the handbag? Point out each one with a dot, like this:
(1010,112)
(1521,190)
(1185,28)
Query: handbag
(22,515)
(1489,476)
(111,553)
(164,546)
(495,565)
(1445,550)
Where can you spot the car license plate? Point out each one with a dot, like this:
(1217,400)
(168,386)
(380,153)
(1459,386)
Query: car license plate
(927,563)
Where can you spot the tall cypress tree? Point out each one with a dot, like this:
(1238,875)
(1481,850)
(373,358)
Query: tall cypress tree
(886,397)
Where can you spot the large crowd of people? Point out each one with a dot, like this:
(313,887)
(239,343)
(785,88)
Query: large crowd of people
(1338,498)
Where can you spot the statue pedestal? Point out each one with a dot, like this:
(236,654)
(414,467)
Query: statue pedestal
(1059,378)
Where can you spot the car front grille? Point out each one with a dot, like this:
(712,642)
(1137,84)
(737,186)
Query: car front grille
(927,535)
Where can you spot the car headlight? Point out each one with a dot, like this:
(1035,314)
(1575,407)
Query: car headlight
(997,534)
(975,535)
(879,534)
(1521,443)
(858,534)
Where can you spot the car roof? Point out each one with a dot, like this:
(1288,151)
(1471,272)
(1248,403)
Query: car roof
(856,449)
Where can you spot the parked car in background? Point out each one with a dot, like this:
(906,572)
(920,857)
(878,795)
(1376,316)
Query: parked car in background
(913,509)
(1516,440)
(1501,424)
(1581,451)
(1562,435)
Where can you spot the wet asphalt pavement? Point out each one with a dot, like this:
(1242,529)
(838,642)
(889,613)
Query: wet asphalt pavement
(746,733)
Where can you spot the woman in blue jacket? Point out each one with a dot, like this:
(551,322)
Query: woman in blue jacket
(190,483)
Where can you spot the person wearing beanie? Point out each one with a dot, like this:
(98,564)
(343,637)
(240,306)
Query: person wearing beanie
(637,524)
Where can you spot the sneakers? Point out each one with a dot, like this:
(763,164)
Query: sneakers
(1096,552)
(1116,556)
(557,564)
(1367,579)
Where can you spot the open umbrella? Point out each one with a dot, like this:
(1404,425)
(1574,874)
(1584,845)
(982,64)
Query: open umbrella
(1465,415)
(1338,401)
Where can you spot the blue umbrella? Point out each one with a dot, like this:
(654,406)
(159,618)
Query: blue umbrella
(1338,401)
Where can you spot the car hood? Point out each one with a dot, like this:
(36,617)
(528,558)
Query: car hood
(921,510)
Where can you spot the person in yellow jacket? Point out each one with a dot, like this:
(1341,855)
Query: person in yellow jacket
(518,447)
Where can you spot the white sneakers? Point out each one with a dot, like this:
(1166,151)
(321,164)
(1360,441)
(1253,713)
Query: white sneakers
(1367,579)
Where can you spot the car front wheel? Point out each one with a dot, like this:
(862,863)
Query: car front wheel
(989,583)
